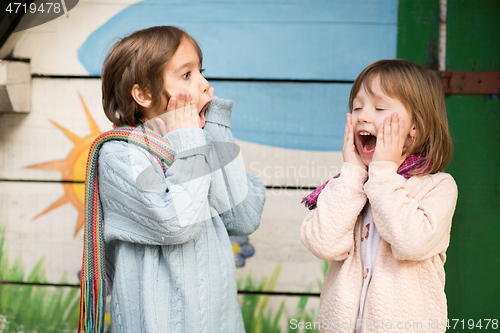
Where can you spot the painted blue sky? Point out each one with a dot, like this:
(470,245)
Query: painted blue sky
(325,40)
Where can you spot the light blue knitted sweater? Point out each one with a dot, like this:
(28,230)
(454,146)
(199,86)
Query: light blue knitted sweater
(169,259)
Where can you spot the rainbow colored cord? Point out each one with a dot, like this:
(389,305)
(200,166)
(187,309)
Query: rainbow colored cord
(93,277)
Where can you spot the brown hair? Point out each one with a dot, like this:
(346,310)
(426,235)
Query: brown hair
(139,58)
(421,92)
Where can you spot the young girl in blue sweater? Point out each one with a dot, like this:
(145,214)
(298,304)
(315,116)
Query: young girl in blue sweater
(166,225)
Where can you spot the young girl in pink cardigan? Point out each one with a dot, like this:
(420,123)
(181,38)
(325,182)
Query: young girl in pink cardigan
(384,222)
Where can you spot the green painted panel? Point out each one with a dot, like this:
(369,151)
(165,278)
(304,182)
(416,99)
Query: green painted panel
(473,35)
(418,30)
(473,32)
(472,273)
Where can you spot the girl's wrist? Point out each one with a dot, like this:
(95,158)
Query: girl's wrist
(382,169)
(353,173)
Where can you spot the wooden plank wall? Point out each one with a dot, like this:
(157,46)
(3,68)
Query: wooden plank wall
(288,66)
(472,287)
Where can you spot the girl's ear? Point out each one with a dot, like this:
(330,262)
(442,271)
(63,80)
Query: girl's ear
(413,131)
(141,97)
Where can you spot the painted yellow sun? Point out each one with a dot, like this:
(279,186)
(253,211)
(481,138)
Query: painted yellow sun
(72,169)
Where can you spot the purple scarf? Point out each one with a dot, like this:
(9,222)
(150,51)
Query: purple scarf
(412,162)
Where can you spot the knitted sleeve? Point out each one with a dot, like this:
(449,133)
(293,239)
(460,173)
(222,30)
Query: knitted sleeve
(328,230)
(237,197)
(415,223)
(143,205)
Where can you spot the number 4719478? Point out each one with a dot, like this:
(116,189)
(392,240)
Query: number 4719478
(471,324)
(44,7)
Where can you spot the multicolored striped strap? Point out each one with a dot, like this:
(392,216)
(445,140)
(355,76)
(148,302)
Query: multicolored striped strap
(93,277)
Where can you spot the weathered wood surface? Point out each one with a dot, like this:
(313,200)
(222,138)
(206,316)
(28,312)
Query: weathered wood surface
(58,126)
(43,220)
(290,132)
(27,308)
(326,40)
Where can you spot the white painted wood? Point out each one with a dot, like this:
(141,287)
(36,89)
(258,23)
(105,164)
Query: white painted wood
(31,139)
(277,166)
(290,320)
(278,241)
(52,46)
(326,40)
(34,235)
(50,236)
(28,140)
(15,81)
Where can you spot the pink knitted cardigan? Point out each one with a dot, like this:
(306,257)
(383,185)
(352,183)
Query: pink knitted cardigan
(413,218)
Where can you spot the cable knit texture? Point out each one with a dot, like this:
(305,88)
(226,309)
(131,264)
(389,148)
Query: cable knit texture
(413,218)
(169,259)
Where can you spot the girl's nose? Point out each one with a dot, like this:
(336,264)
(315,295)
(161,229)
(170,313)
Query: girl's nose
(363,116)
(204,85)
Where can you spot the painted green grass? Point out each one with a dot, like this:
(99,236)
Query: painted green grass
(259,317)
(30,309)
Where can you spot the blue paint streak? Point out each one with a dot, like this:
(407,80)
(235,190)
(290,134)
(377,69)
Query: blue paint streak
(324,39)
(308,116)
(310,40)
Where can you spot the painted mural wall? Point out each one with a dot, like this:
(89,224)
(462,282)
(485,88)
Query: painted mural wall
(288,66)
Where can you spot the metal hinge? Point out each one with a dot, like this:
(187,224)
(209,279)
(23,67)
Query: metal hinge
(471,82)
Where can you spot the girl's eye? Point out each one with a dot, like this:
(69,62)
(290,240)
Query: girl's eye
(356,109)
(186,75)
(379,109)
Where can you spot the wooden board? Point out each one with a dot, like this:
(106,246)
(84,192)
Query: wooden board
(472,287)
(287,313)
(326,40)
(28,308)
(277,242)
(58,126)
(51,47)
(42,223)
(304,116)
(51,132)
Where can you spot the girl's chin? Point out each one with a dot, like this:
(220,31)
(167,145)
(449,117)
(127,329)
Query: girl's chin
(366,159)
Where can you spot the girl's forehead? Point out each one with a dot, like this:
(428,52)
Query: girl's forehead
(378,85)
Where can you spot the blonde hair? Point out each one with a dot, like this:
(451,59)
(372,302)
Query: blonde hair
(421,92)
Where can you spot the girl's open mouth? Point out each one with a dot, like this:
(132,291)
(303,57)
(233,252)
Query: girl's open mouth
(367,141)
(202,114)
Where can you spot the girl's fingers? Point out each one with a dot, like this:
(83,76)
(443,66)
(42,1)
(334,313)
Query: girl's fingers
(211,91)
(185,110)
(387,130)
(172,104)
(380,135)
(395,129)
(195,122)
(171,113)
(346,130)
(402,131)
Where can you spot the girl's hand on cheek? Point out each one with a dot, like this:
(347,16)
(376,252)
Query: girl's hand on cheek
(349,151)
(181,113)
(390,140)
